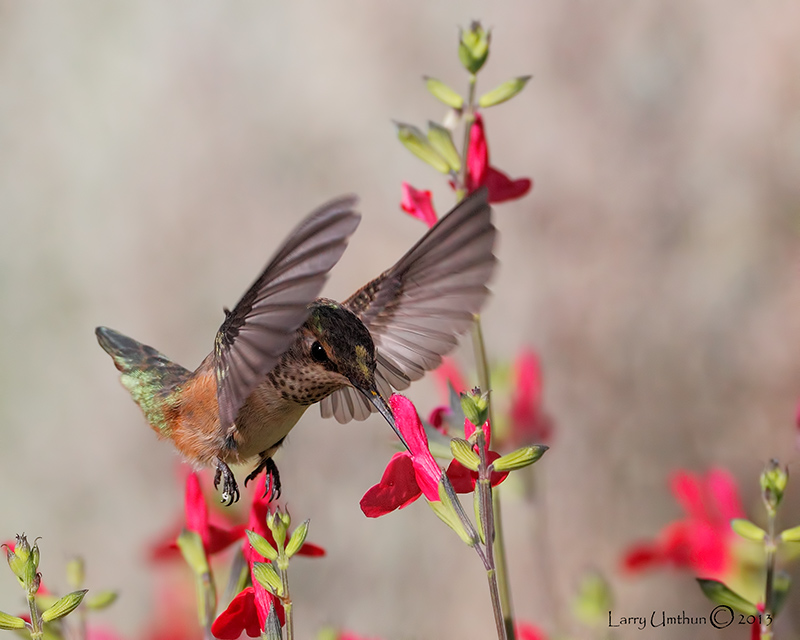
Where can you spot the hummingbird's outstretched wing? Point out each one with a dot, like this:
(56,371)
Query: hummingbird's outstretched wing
(416,309)
(265,321)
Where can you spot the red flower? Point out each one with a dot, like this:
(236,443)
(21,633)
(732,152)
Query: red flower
(480,173)
(527,631)
(529,423)
(216,537)
(464,479)
(703,540)
(409,474)
(418,204)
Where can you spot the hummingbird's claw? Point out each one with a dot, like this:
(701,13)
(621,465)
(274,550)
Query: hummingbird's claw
(230,490)
(272,481)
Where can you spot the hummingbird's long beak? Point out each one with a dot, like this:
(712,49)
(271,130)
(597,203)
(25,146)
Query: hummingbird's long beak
(385,410)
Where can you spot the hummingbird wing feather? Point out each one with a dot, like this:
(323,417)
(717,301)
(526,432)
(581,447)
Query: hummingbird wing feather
(416,309)
(264,322)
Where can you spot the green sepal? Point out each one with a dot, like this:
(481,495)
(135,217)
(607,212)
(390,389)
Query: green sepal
(415,141)
(9,622)
(272,627)
(268,578)
(718,593)
(464,453)
(475,406)
(262,545)
(191,545)
(791,535)
(773,483)
(780,585)
(476,506)
(443,93)
(101,600)
(473,48)
(504,92)
(593,599)
(446,512)
(278,524)
(297,539)
(748,530)
(442,141)
(64,606)
(520,458)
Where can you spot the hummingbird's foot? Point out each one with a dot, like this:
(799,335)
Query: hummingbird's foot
(272,481)
(230,490)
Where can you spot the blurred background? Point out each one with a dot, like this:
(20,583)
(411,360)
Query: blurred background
(153,155)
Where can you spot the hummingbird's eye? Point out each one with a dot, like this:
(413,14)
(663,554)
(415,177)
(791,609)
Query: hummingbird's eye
(318,352)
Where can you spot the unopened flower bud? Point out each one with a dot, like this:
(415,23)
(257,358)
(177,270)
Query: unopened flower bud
(297,539)
(101,600)
(748,530)
(464,453)
(417,143)
(191,545)
(475,406)
(268,578)
(473,48)
(64,606)
(445,94)
(9,622)
(76,573)
(519,458)
(504,92)
(773,483)
(278,526)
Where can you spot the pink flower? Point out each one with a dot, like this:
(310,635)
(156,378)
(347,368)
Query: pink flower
(216,536)
(480,173)
(419,204)
(409,474)
(527,631)
(703,540)
(464,479)
(529,423)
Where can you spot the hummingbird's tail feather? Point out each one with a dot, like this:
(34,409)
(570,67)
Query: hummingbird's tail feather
(148,375)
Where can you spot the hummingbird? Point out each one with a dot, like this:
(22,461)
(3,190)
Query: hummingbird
(283,348)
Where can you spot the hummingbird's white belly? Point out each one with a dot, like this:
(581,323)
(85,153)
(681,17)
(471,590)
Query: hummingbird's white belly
(263,422)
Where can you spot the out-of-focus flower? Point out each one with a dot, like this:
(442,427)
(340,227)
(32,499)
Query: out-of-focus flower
(529,423)
(528,631)
(447,375)
(703,540)
(480,173)
(216,536)
(409,474)
(418,204)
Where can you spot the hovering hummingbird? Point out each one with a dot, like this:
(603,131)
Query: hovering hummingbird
(283,349)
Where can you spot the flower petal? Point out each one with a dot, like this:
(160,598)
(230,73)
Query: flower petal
(397,489)
(240,616)
(419,204)
(477,155)
(427,470)
(502,188)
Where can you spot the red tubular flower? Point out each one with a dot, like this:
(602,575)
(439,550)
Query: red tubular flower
(527,631)
(480,173)
(464,479)
(409,474)
(419,204)
(529,423)
(703,541)
(216,537)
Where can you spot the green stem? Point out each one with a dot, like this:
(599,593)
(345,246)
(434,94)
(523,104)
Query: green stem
(286,600)
(37,630)
(469,118)
(769,589)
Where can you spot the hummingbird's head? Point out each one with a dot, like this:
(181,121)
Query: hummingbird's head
(339,347)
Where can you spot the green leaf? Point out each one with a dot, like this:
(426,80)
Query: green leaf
(297,539)
(791,535)
(464,453)
(268,578)
(717,592)
(443,93)
(9,622)
(262,545)
(101,600)
(442,142)
(504,92)
(748,530)
(520,458)
(415,141)
(64,606)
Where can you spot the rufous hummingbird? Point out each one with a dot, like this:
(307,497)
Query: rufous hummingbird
(283,349)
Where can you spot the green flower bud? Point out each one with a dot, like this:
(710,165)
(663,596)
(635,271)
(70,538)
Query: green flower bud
(64,606)
(504,92)
(101,600)
(748,530)
(520,458)
(773,483)
(791,535)
(262,545)
(191,545)
(443,93)
(268,578)
(446,512)
(473,48)
(9,622)
(297,539)
(475,406)
(464,453)
(278,526)
(415,141)
(76,573)
(593,599)
(442,142)
(718,593)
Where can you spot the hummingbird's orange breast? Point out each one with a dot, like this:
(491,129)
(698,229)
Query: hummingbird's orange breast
(196,428)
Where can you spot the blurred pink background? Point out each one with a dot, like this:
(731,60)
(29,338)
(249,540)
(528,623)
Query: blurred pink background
(154,155)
